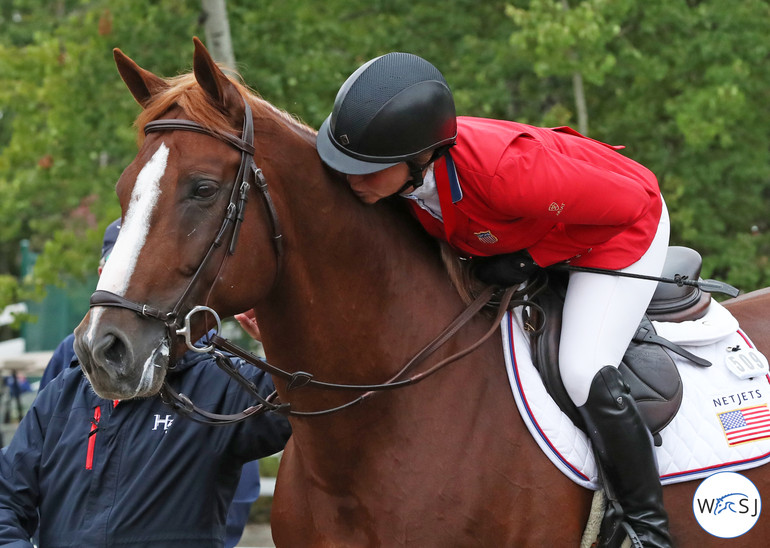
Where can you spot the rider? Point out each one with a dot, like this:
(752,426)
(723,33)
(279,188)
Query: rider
(524,197)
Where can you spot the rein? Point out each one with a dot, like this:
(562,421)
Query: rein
(183,405)
(301,379)
(248,174)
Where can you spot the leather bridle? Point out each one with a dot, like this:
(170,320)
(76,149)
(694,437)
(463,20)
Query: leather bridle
(248,174)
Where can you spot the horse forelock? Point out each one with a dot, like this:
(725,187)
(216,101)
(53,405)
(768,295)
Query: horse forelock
(184,91)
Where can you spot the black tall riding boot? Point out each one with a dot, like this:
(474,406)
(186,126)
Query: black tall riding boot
(623,446)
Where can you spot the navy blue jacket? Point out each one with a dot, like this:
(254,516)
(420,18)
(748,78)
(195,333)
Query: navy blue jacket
(62,358)
(72,459)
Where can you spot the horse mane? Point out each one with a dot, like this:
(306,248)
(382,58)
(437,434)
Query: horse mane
(459,273)
(184,91)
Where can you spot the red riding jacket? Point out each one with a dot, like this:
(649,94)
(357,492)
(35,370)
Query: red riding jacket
(507,186)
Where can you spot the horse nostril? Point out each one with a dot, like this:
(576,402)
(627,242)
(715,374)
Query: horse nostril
(113,350)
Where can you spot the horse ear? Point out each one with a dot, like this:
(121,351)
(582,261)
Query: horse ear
(214,82)
(142,84)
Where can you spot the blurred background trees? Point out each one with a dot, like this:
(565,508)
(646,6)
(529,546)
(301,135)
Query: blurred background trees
(682,83)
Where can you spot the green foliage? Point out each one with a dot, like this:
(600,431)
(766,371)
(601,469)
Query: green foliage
(66,125)
(682,83)
(8,286)
(561,39)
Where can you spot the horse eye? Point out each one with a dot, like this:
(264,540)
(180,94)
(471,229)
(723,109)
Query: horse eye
(205,189)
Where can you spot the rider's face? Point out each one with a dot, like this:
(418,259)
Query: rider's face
(372,187)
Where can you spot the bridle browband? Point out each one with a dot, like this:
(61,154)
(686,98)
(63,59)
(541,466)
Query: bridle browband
(249,173)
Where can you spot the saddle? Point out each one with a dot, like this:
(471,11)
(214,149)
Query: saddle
(647,367)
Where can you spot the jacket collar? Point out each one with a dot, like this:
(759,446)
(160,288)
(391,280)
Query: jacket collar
(455,189)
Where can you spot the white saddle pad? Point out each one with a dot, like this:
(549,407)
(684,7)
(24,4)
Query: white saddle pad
(722,424)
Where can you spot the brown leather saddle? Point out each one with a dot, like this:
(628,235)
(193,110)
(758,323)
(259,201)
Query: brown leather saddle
(647,367)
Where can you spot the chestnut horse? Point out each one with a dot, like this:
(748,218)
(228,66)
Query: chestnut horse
(349,293)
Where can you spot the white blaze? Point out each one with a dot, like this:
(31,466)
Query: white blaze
(136,224)
(133,232)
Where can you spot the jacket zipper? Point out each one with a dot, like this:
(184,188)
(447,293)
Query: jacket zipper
(92,438)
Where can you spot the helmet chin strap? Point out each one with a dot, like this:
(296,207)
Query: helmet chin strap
(416,170)
(415,176)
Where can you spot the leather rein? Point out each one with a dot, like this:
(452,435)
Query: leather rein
(248,174)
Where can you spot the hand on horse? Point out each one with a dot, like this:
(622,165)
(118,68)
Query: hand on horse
(248,321)
(505,270)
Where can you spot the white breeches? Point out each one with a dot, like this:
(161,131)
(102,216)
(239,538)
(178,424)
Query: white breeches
(602,313)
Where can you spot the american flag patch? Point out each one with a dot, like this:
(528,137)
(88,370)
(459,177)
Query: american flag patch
(747,424)
(487,237)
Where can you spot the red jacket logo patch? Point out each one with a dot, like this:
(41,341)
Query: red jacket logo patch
(556,208)
(487,237)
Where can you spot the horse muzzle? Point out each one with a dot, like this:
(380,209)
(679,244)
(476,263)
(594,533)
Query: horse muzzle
(122,355)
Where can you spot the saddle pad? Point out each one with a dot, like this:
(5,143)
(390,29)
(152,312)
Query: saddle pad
(723,423)
(714,326)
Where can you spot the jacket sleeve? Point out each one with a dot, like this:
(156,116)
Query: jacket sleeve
(536,181)
(265,434)
(19,487)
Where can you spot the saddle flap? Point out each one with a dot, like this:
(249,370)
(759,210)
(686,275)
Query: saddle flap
(647,368)
(654,380)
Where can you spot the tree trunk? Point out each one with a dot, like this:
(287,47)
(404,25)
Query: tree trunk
(578,90)
(580,103)
(217,30)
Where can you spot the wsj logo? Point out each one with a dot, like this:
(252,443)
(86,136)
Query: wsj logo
(727,504)
(737,503)
(164,422)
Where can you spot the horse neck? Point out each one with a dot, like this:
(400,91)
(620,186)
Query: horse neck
(361,288)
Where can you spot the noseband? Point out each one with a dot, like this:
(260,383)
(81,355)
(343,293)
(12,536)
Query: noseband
(248,174)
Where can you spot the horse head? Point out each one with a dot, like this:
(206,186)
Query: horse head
(182,210)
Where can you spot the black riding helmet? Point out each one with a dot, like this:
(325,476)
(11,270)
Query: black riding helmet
(390,110)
